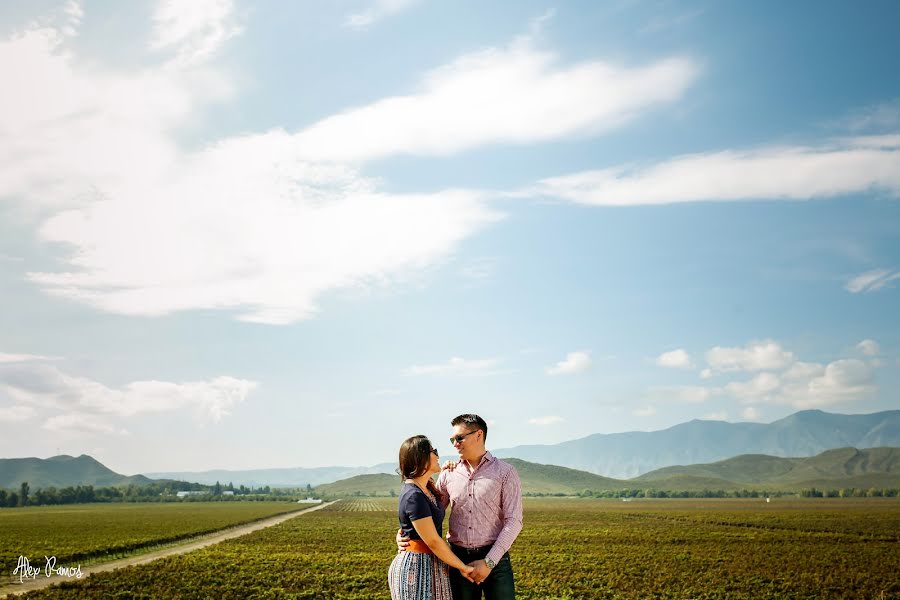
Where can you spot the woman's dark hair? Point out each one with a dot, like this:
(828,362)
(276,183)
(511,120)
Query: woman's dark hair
(415,456)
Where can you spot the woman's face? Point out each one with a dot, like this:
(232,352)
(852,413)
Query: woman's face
(434,466)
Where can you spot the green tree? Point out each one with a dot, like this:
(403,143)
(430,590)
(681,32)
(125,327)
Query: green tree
(23,494)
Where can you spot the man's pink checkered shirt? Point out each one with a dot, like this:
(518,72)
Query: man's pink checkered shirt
(486,505)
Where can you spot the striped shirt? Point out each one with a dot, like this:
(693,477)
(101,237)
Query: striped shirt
(486,505)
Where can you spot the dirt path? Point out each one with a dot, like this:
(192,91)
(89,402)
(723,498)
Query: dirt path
(42,581)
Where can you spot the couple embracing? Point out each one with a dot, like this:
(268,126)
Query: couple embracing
(485,498)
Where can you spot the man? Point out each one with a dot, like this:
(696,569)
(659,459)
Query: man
(485,496)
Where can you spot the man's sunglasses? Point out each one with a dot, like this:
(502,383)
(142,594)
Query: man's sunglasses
(457,439)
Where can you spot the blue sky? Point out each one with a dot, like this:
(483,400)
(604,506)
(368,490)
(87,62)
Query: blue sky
(267,235)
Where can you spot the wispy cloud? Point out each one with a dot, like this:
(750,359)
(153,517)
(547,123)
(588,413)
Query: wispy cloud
(575,362)
(871,281)
(15,358)
(82,424)
(513,95)
(545,421)
(794,173)
(884,116)
(378,10)
(248,224)
(194,29)
(676,359)
(16,414)
(43,386)
(869,347)
(457,366)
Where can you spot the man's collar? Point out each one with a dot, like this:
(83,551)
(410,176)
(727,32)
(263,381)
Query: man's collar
(486,457)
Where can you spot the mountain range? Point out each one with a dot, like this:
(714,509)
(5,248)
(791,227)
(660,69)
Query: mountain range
(832,469)
(630,454)
(618,456)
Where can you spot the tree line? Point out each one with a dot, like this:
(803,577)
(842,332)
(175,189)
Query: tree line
(163,491)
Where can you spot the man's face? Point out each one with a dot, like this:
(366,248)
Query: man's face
(465,440)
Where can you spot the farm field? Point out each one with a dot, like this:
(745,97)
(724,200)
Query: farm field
(570,548)
(86,532)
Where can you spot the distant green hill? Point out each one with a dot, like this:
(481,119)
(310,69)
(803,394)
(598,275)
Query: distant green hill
(843,467)
(550,479)
(61,471)
(535,478)
(379,484)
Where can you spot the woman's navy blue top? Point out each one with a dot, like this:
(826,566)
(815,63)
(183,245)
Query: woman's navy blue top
(415,505)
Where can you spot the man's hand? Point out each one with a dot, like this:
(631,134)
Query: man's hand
(449,466)
(480,573)
(402,541)
(467,572)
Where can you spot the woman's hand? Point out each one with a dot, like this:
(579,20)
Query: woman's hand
(467,572)
(449,466)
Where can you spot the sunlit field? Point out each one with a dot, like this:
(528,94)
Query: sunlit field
(569,548)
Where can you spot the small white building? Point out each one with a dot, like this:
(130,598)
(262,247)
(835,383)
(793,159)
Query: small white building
(310,501)
(183,494)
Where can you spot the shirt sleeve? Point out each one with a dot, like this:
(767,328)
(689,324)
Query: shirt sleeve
(417,506)
(443,489)
(511,504)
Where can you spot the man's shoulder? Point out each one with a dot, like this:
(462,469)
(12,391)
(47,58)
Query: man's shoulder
(503,467)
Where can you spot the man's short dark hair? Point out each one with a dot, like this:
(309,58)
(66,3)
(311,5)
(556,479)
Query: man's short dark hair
(473,422)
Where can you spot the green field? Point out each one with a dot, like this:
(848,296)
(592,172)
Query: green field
(570,548)
(90,532)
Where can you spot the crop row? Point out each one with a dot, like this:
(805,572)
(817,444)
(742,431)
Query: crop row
(89,531)
(568,549)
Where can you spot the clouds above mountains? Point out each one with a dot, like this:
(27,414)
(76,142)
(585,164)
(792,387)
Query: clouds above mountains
(66,402)
(264,224)
(779,378)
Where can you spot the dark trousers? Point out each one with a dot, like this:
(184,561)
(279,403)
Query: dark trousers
(499,585)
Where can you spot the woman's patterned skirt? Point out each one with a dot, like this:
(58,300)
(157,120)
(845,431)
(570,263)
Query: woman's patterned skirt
(416,576)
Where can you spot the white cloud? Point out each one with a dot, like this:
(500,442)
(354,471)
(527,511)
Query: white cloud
(869,347)
(377,11)
(755,356)
(47,387)
(243,224)
(456,366)
(16,414)
(796,173)
(512,95)
(750,414)
(82,424)
(803,370)
(678,359)
(544,421)
(575,362)
(195,29)
(760,387)
(811,386)
(871,281)
(647,411)
(706,374)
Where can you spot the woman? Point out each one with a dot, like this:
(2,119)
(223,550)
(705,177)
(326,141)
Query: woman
(421,573)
